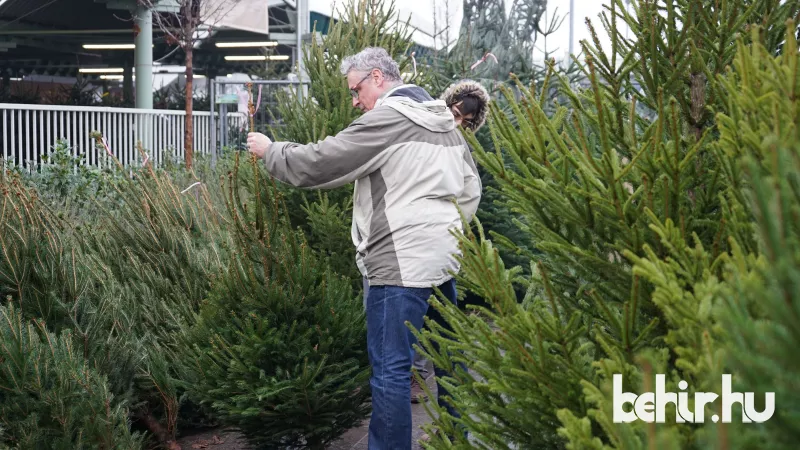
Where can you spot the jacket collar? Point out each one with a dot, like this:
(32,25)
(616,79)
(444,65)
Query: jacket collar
(388,93)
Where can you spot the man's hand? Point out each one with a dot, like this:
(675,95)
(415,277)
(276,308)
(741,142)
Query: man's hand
(258,144)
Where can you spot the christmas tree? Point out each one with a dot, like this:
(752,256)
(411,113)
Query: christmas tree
(60,331)
(327,109)
(628,195)
(734,312)
(490,48)
(761,297)
(157,254)
(279,349)
(117,293)
(50,396)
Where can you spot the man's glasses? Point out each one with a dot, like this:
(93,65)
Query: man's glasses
(354,91)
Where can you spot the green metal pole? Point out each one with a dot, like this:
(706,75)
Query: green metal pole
(143,63)
(143,57)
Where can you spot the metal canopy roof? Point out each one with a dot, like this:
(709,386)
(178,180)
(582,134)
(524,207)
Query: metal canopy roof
(46,37)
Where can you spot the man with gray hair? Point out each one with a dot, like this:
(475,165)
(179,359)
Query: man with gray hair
(409,163)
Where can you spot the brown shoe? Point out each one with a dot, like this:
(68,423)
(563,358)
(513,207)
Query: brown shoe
(418,395)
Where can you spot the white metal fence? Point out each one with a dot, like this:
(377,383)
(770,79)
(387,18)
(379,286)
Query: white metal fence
(29,131)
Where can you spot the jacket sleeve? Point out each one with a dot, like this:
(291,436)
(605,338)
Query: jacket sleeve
(470,197)
(336,160)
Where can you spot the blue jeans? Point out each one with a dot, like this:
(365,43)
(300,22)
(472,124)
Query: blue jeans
(419,362)
(389,344)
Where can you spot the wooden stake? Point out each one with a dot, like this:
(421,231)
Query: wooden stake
(251,107)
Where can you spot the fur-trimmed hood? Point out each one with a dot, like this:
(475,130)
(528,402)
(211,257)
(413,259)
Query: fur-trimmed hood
(469,88)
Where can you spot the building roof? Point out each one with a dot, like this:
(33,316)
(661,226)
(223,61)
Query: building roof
(46,37)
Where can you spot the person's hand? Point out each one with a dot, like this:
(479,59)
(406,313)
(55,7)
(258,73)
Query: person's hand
(258,144)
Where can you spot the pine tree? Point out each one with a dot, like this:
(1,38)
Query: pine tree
(631,213)
(279,349)
(328,109)
(57,327)
(122,286)
(761,297)
(513,46)
(119,278)
(737,307)
(159,253)
(50,397)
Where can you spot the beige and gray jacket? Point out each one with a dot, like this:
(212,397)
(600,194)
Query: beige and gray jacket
(408,161)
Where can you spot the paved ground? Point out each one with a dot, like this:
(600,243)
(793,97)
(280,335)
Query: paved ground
(214,440)
(355,439)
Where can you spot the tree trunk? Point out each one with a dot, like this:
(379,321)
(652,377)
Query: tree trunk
(189,135)
(163,436)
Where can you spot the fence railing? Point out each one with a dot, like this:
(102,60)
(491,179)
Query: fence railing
(27,132)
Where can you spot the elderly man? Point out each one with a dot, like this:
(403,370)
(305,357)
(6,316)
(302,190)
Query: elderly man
(409,162)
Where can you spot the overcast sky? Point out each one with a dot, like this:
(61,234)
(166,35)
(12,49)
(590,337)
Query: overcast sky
(557,42)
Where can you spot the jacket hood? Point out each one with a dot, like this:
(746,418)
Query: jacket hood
(419,107)
(470,88)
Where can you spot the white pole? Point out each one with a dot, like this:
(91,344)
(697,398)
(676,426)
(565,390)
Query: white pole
(571,26)
(299,30)
(627,10)
(143,57)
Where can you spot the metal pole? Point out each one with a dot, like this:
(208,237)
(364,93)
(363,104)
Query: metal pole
(212,145)
(299,30)
(223,124)
(627,27)
(571,26)
(143,56)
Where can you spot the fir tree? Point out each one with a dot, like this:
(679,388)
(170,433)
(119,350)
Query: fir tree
(761,299)
(123,286)
(279,348)
(121,283)
(327,109)
(159,253)
(620,205)
(50,396)
(733,312)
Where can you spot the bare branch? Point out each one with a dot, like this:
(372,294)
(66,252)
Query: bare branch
(181,27)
